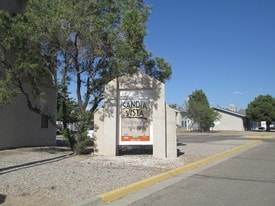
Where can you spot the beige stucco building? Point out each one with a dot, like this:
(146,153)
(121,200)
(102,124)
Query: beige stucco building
(229,120)
(20,127)
(13,6)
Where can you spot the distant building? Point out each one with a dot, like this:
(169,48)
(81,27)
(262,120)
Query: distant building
(19,127)
(230,120)
(183,121)
(179,115)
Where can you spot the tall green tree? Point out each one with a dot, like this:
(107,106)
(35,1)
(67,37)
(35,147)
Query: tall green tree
(67,109)
(262,108)
(91,41)
(198,109)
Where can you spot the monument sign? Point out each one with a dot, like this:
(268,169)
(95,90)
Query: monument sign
(135,113)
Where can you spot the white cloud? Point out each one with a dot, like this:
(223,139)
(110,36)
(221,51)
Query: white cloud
(237,92)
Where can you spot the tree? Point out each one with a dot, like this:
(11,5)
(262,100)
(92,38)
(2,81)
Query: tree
(199,111)
(67,111)
(262,108)
(87,42)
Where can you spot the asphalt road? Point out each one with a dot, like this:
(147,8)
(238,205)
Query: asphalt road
(210,138)
(245,179)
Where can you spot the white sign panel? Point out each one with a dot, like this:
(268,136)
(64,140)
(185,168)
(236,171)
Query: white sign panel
(135,120)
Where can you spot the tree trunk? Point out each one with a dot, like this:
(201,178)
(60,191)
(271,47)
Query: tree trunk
(268,126)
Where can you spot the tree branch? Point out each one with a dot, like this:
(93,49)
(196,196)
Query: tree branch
(33,108)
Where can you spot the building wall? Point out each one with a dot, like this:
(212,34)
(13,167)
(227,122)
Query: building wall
(229,122)
(178,118)
(187,124)
(13,6)
(20,127)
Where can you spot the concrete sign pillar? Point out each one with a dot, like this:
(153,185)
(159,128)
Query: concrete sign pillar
(135,113)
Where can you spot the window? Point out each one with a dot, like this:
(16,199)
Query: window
(44,122)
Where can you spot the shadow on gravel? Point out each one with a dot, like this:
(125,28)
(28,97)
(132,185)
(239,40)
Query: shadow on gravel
(135,149)
(179,153)
(181,144)
(2,198)
(142,150)
(63,143)
(52,150)
(33,164)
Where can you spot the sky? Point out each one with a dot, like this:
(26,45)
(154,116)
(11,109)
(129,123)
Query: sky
(224,47)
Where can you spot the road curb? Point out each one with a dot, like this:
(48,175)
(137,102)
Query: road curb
(259,137)
(108,197)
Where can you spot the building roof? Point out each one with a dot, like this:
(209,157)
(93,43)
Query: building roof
(228,111)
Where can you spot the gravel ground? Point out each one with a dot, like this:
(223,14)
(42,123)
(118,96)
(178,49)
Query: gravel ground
(53,176)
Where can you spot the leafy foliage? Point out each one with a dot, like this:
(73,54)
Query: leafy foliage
(85,43)
(199,110)
(22,67)
(262,108)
